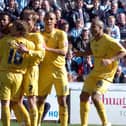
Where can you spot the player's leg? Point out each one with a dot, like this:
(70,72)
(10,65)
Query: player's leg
(5,112)
(100,108)
(30,88)
(41,104)
(44,88)
(84,108)
(33,110)
(6,83)
(31,92)
(15,108)
(21,113)
(63,110)
(62,90)
(17,105)
(87,89)
(101,88)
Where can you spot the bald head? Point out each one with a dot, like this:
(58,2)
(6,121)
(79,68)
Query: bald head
(97,28)
(98,23)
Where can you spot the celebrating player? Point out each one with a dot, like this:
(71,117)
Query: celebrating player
(106,52)
(30,78)
(52,68)
(14,57)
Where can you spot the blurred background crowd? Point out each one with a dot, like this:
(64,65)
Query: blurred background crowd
(74,17)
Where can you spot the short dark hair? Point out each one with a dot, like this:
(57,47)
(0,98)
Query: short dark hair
(48,13)
(20,26)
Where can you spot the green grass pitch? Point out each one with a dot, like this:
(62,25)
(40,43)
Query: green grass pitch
(13,123)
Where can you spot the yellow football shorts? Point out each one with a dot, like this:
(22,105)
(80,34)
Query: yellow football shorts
(53,76)
(10,85)
(94,84)
(30,81)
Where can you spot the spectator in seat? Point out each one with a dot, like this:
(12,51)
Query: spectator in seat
(122,25)
(22,4)
(82,42)
(2,5)
(40,22)
(105,5)
(59,18)
(71,67)
(115,31)
(107,30)
(122,6)
(75,32)
(114,11)
(65,26)
(12,9)
(123,62)
(5,24)
(88,66)
(78,13)
(34,5)
(46,6)
(119,77)
(96,10)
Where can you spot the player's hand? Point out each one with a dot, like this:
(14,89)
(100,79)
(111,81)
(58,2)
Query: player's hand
(46,48)
(22,48)
(43,45)
(106,62)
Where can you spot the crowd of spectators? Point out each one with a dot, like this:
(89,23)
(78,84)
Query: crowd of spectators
(74,17)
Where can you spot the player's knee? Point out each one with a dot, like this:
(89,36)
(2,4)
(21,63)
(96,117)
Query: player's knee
(5,102)
(13,103)
(84,96)
(41,100)
(95,97)
(32,101)
(62,101)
